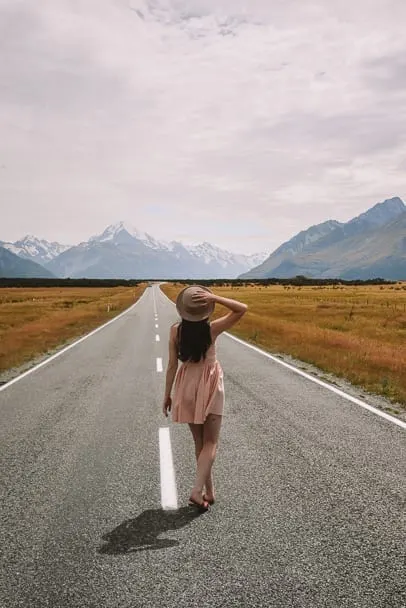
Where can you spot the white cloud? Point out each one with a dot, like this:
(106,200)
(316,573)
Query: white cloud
(275,116)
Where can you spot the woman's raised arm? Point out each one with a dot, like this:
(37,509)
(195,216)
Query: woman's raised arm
(237,310)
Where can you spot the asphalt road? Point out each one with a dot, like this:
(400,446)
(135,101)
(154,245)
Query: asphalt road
(311,492)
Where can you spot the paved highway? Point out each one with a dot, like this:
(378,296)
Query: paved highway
(311,490)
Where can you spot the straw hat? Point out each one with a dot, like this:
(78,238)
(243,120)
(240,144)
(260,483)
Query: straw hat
(191,310)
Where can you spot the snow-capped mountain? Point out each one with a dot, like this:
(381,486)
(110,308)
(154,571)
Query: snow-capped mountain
(37,250)
(122,251)
(209,253)
(116,233)
(206,252)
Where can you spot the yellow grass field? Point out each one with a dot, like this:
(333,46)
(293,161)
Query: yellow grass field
(36,320)
(357,333)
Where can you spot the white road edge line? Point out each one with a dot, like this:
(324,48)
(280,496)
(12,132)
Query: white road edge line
(157,338)
(321,383)
(156,326)
(169,498)
(159,367)
(64,350)
(329,387)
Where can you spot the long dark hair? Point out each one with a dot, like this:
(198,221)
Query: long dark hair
(194,339)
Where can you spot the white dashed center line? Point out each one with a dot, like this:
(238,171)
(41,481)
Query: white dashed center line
(154,300)
(169,498)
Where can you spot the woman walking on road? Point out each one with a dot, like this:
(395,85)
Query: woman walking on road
(199,392)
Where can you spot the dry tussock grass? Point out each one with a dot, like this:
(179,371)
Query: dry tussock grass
(36,320)
(357,333)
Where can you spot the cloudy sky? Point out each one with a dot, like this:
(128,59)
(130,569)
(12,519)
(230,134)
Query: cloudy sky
(239,122)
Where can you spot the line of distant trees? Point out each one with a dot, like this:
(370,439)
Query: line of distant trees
(30,282)
(296,281)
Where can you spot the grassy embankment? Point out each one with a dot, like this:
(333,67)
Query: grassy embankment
(356,333)
(35,320)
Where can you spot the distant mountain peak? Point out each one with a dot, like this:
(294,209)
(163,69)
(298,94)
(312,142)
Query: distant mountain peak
(38,250)
(30,237)
(381,213)
(395,204)
(113,230)
(395,200)
(122,230)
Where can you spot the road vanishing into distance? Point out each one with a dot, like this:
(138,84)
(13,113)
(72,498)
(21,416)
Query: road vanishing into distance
(311,487)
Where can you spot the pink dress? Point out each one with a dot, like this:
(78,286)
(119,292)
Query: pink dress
(199,389)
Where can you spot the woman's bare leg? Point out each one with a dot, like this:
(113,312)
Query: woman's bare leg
(197,432)
(211,431)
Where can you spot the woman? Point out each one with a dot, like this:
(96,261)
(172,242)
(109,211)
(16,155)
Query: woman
(199,391)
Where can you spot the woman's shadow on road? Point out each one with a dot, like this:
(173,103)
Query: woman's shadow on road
(141,533)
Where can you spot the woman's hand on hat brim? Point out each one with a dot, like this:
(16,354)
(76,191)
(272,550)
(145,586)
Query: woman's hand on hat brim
(203,296)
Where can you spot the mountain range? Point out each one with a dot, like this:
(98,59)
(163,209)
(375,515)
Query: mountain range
(370,245)
(121,251)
